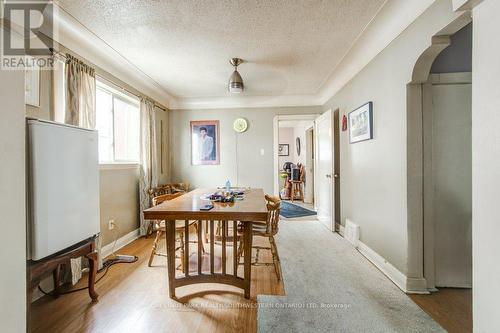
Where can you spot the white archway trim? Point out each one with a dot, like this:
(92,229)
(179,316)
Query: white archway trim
(415,152)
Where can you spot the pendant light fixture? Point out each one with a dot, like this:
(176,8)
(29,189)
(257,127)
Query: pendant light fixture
(235,85)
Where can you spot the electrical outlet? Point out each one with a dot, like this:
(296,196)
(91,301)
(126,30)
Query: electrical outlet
(111,224)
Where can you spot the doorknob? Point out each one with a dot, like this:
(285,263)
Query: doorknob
(336,175)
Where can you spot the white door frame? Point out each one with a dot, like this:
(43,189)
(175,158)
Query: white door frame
(276,128)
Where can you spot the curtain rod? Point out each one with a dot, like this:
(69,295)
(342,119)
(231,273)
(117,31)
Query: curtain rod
(138,95)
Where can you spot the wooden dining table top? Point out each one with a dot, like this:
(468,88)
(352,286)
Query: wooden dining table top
(187,207)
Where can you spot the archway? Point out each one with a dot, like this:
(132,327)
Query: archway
(417,102)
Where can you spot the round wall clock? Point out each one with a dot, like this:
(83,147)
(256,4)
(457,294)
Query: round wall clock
(297,143)
(240,125)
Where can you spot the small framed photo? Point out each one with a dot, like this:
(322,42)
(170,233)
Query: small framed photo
(32,88)
(205,142)
(361,123)
(283,149)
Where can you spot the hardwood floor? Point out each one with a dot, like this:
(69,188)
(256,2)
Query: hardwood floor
(134,298)
(450,307)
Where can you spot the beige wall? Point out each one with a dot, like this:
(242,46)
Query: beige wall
(486,166)
(119,200)
(286,136)
(12,202)
(374,173)
(254,169)
(46,106)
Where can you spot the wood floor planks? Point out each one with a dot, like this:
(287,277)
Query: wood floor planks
(134,298)
(450,307)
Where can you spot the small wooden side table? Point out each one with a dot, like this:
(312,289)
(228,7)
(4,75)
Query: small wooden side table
(37,269)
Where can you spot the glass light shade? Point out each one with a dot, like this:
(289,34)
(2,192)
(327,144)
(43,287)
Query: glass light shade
(235,83)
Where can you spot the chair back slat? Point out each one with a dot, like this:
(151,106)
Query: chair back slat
(165,197)
(167,189)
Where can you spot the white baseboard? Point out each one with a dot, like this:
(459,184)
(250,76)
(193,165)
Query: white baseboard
(120,242)
(406,284)
(341,230)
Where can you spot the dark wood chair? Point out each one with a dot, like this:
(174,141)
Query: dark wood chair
(159,227)
(297,192)
(267,229)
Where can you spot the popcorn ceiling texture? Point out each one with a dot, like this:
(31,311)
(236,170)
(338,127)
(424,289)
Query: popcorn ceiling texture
(291,46)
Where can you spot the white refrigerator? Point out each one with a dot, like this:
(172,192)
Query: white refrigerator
(63,178)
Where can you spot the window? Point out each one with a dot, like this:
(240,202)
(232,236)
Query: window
(117,121)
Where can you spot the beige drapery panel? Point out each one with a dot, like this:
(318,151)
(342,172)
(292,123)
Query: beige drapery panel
(80,89)
(148,159)
(80,93)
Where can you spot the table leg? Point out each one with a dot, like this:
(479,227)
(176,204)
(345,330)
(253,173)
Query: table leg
(206,231)
(247,256)
(170,239)
(56,276)
(92,274)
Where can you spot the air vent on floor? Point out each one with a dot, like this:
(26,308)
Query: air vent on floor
(351,232)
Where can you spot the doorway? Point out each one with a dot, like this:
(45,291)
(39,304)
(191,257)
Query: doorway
(294,163)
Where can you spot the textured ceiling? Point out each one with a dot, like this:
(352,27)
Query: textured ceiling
(289,46)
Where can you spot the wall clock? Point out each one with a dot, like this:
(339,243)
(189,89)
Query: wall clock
(240,125)
(297,143)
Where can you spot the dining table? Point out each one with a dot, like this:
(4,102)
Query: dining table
(237,216)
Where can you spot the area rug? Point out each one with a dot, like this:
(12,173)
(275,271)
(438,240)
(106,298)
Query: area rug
(290,210)
(331,287)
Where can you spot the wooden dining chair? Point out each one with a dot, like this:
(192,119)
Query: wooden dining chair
(180,228)
(174,188)
(268,229)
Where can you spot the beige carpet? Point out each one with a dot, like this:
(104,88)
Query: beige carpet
(331,287)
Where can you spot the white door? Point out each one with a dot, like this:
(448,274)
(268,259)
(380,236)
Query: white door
(324,165)
(309,186)
(452,178)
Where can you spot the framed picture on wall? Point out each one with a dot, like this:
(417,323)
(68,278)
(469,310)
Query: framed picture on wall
(283,149)
(361,123)
(205,142)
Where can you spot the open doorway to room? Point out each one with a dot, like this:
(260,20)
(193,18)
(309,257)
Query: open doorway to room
(447,184)
(295,165)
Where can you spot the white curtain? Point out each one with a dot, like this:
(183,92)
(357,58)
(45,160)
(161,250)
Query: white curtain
(149,162)
(80,111)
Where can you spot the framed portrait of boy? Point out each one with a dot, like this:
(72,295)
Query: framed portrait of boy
(205,142)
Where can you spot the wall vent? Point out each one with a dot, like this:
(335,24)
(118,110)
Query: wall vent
(351,232)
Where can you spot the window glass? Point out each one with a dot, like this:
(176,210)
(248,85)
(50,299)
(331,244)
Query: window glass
(126,131)
(117,121)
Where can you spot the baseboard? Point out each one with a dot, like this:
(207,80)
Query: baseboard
(107,250)
(406,284)
(341,230)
